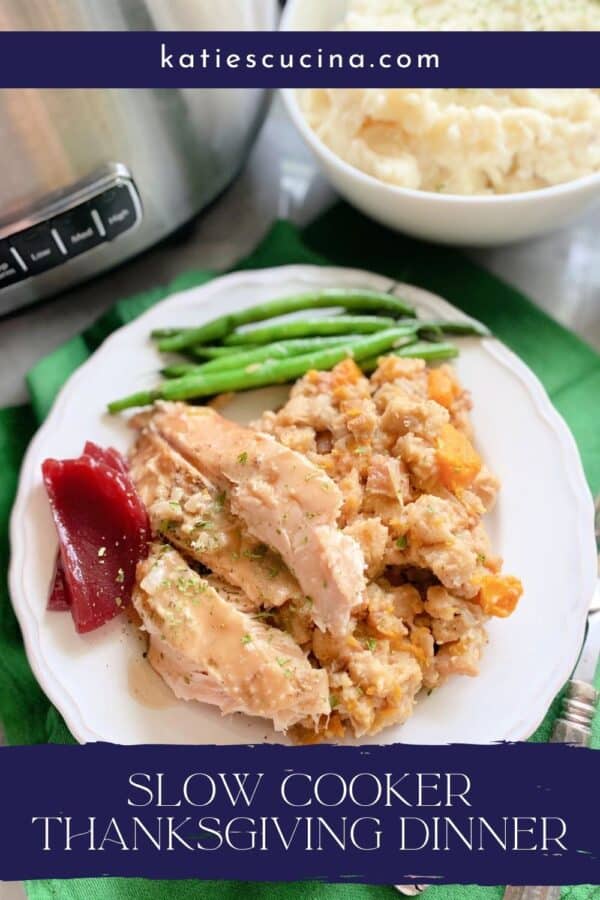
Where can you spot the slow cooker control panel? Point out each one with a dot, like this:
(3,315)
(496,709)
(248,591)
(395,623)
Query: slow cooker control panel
(95,213)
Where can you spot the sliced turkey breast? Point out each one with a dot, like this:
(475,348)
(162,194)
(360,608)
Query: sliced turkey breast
(285,500)
(208,649)
(195,517)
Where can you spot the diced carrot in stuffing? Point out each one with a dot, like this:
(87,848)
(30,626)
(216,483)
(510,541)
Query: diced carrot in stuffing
(458,462)
(499,594)
(413,649)
(346,372)
(328,729)
(442,387)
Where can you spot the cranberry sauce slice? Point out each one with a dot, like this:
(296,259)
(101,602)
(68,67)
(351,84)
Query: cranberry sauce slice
(113,459)
(103,533)
(59,599)
(109,456)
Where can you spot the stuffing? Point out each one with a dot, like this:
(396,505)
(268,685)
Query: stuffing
(399,446)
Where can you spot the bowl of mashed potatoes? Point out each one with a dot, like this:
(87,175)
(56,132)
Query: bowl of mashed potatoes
(461,166)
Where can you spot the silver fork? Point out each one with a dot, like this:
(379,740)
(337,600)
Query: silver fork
(563,731)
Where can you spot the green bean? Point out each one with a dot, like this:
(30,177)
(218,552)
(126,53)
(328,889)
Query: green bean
(275,371)
(478,329)
(353,299)
(240,357)
(417,350)
(306,345)
(212,331)
(159,333)
(278,350)
(296,328)
(202,354)
(209,352)
(432,333)
(180,369)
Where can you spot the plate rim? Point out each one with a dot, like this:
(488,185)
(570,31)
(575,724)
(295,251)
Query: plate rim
(58,692)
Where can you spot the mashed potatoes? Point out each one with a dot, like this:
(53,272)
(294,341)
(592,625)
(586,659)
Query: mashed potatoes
(464,141)
(469,15)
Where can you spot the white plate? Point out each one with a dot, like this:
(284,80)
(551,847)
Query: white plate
(542,526)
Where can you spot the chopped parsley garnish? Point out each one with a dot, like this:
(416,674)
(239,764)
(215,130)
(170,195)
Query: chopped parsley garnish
(258,552)
(402,542)
(167,525)
(481,558)
(333,701)
(186,584)
(247,639)
(243,458)
(371,644)
(281,661)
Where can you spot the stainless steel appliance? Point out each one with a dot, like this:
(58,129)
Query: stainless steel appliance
(92,177)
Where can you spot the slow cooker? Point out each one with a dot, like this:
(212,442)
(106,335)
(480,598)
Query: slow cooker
(92,177)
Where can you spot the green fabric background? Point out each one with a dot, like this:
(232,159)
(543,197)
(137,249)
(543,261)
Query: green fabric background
(569,369)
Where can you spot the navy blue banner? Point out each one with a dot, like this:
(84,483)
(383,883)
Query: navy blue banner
(517,813)
(299,59)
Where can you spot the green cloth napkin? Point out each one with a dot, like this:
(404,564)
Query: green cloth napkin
(569,369)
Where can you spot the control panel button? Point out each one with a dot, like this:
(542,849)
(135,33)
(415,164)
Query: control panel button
(76,231)
(10,270)
(37,248)
(60,236)
(116,210)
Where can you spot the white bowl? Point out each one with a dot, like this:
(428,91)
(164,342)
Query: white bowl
(446,218)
